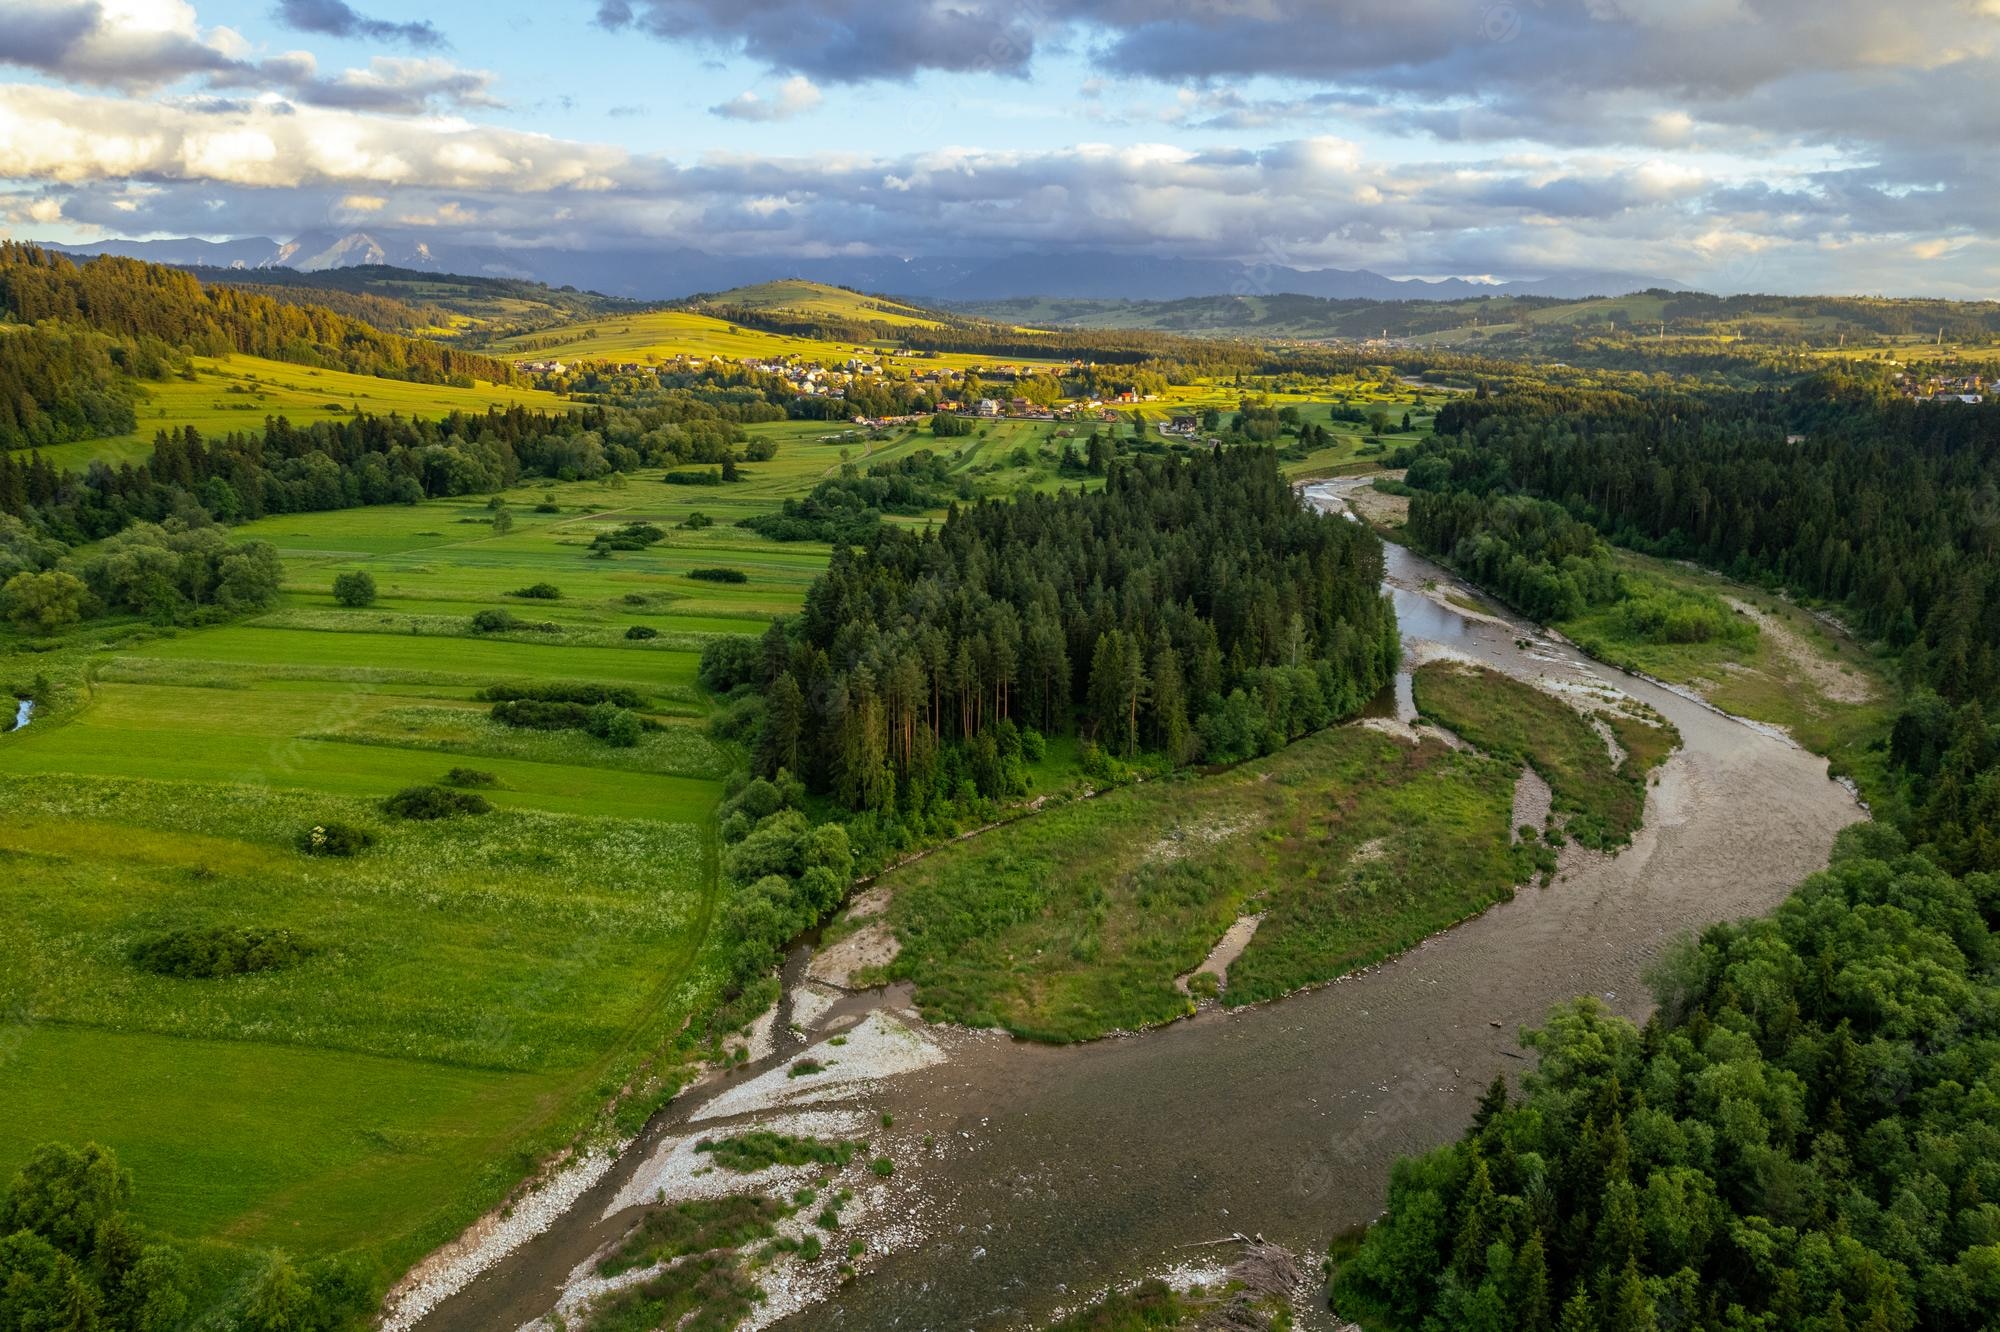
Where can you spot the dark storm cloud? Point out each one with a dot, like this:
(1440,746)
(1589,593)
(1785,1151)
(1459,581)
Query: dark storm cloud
(844,41)
(332,18)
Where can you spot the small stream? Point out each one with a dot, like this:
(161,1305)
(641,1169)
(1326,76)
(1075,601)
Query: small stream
(1076,1167)
(23,710)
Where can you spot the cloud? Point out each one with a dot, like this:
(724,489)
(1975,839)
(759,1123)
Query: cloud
(796,97)
(333,18)
(55,135)
(401,86)
(1827,71)
(135,45)
(843,41)
(142,46)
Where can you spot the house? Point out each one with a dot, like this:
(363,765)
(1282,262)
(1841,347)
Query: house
(987,407)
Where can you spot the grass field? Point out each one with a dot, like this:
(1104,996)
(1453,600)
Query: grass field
(794,296)
(236,393)
(477,987)
(1076,922)
(661,335)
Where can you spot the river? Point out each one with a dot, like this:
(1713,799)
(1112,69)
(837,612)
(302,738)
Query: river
(1030,1177)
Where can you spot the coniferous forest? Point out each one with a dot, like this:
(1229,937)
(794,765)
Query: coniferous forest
(1190,607)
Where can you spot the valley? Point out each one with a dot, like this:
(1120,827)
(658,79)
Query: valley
(458,812)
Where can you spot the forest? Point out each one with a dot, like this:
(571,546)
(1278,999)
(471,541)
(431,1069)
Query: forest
(1837,490)
(72,336)
(1155,614)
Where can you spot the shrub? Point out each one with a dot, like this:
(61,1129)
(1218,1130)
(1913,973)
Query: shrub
(335,839)
(635,598)
(434,802)
(541,715)
(632,536)
(354,589)
(495,621)
(216,951)
(538,592)
(759,1148)
(882,1166)
(719,575)
(614,725)
(471,777)
(565,693)
(702,478)
(695,521)
(639,631)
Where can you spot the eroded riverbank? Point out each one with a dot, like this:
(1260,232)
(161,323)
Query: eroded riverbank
(1028,1177)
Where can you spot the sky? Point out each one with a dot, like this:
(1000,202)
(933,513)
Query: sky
(1735,145)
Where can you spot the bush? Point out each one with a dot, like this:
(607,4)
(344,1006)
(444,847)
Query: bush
(495,621)
(565,693)
(632,536)
(758,1149)
(471,777)
(695,521)
(639,631)
(702,478)
(531,714)
(614,725)
(216,951)
(719,575)
(354,589)
(434,802)
(335,839)
(538,592)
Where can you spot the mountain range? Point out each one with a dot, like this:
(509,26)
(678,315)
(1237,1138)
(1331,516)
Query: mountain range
(668,273)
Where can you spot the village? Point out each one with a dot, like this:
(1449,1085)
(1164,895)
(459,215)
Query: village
(812,379)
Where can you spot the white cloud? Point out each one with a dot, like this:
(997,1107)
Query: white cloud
(796,97)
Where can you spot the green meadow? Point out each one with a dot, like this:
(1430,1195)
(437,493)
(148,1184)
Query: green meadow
(474,989)
(1075,923)
(236,393)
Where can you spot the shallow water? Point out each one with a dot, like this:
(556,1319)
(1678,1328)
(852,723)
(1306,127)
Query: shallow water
(1070,1168)
(24,709)
(1093,1163)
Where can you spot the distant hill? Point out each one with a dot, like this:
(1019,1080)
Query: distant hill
(663,273)
(1521,323)
(450,303)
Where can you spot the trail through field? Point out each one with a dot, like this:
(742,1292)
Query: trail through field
(1046,1174)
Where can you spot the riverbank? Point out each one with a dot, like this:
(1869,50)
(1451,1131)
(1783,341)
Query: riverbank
(1067,1170)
